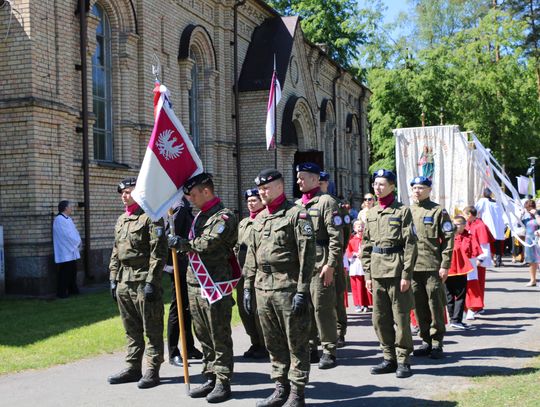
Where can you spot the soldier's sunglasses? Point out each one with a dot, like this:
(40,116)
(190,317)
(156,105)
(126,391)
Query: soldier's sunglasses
(368,199)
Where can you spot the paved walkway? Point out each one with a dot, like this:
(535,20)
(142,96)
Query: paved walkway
(503,341)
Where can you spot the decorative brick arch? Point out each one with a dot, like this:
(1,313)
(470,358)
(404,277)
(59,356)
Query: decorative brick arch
(298,126)
(196,41)
(121,14)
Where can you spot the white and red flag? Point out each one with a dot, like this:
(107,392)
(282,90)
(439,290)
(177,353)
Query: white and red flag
(170,160)
(273,100)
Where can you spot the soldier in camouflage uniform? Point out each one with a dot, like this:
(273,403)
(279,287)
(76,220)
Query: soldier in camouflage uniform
(435,244)
(327,223)
(136,268)
(279,265)
(251,322)
(341,277)
(212,238)
(388,256)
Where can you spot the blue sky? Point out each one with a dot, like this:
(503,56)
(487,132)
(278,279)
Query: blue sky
(394,8)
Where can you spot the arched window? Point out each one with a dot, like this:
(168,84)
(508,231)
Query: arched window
(194,128)
(102,88)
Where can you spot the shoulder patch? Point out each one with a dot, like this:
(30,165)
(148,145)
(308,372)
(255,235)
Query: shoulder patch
(302,215)
(337,220)
(224,216)
(307,230)
(159,231)
(220,228)
(447,227)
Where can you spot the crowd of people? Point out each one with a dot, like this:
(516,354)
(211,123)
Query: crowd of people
(408,265)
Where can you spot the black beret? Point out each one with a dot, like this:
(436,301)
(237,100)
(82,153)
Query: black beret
(324,176)
(266,176)
(251,192)
(309,167)
(422,181)
(126,183)
(382,173)
(199,179)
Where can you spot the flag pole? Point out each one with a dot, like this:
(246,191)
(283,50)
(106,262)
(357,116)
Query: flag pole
(179,306)
(274,77)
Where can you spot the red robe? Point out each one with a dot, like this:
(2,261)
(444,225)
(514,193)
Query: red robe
(476,288)
(465,248)
(361,296)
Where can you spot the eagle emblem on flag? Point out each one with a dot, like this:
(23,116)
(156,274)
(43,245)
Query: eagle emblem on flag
(166,145)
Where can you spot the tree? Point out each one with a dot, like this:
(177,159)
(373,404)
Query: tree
(458,74)
(339,24)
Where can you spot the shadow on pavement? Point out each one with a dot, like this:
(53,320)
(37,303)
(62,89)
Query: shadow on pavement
(388,402)
(474,371)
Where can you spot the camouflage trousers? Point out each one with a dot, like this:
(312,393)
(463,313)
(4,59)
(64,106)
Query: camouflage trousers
(141,317)
(286,336)
(324,318)
(212,326)
(251,322)
(429,306)
(391,306)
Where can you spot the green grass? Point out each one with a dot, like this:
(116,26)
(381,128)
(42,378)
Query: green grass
(37,333)
(520,389)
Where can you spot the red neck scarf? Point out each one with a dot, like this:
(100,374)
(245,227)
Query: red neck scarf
(131,209)
(272,207)
(386,201)
(210,204)
(306,197)
(252,215)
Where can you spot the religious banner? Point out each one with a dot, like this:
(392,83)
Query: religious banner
(445,156)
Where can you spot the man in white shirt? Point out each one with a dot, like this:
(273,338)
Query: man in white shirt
(66,241)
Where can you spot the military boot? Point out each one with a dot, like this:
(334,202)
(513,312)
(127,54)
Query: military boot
(403,370)
(437,353)
(387,366)
(327,361)
(204,389)
(278,397)
(128,375)
(149,380)
(296,398)
(423,350)
(220,393)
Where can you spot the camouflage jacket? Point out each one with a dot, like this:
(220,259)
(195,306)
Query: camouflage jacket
(244,229)
(327,224)
(140,249)
(215,236)
(281,250)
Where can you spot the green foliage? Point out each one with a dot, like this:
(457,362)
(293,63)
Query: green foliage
(339,24)
(479,78)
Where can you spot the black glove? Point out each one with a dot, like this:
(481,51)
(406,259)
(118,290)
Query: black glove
(179,243)
(149,292)
(113,290)
(299,303)
(247,301)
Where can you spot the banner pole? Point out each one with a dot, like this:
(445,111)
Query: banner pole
(179,307)
(274,78)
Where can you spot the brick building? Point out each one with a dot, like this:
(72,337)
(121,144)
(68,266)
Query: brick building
(54,148)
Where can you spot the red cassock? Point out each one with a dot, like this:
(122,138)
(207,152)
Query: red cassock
(465,248)
(361,296)
(476,288)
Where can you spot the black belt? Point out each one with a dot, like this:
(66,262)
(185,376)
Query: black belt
(387,250)
(325,242)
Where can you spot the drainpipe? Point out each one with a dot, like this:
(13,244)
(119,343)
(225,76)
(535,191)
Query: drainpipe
(240,199)
(84,116)
(361,144)
(334,100)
